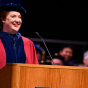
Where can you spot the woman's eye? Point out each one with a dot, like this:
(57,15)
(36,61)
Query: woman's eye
(13,16)
(19,17)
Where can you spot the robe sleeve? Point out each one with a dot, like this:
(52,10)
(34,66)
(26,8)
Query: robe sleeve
(2,55)
(31,57)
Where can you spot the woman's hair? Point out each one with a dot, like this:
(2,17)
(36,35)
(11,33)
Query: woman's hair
(3,15)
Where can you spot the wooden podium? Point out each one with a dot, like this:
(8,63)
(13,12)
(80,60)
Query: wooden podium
(52,76)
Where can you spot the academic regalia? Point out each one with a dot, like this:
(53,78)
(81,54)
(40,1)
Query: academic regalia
(16,49)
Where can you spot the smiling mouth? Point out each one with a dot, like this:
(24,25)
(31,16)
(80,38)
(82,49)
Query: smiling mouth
(16,25)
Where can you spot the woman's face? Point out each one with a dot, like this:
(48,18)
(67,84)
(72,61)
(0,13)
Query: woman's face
(12,23)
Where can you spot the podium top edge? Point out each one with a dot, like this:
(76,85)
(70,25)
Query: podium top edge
(45,66)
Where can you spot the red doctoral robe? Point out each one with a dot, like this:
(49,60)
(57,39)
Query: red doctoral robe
(29,49)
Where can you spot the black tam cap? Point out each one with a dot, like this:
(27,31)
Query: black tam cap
(56,55)
(12,7)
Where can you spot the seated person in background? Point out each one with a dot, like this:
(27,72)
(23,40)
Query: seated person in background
(67,52)
(39,52)
(85,59)
(57,59)
(47,61)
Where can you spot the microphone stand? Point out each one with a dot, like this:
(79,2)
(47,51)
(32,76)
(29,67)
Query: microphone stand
(45,46)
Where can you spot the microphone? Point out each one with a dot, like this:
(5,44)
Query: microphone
(45,46)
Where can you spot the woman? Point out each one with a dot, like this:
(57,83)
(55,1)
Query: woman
(14,48)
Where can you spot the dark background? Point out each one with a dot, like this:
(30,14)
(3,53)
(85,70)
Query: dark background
(61,20)
(65,20)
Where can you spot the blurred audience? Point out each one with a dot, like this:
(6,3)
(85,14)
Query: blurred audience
(57,59)
(40,52)
(67,52)
(85,59)
(48,59)
(64,57)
